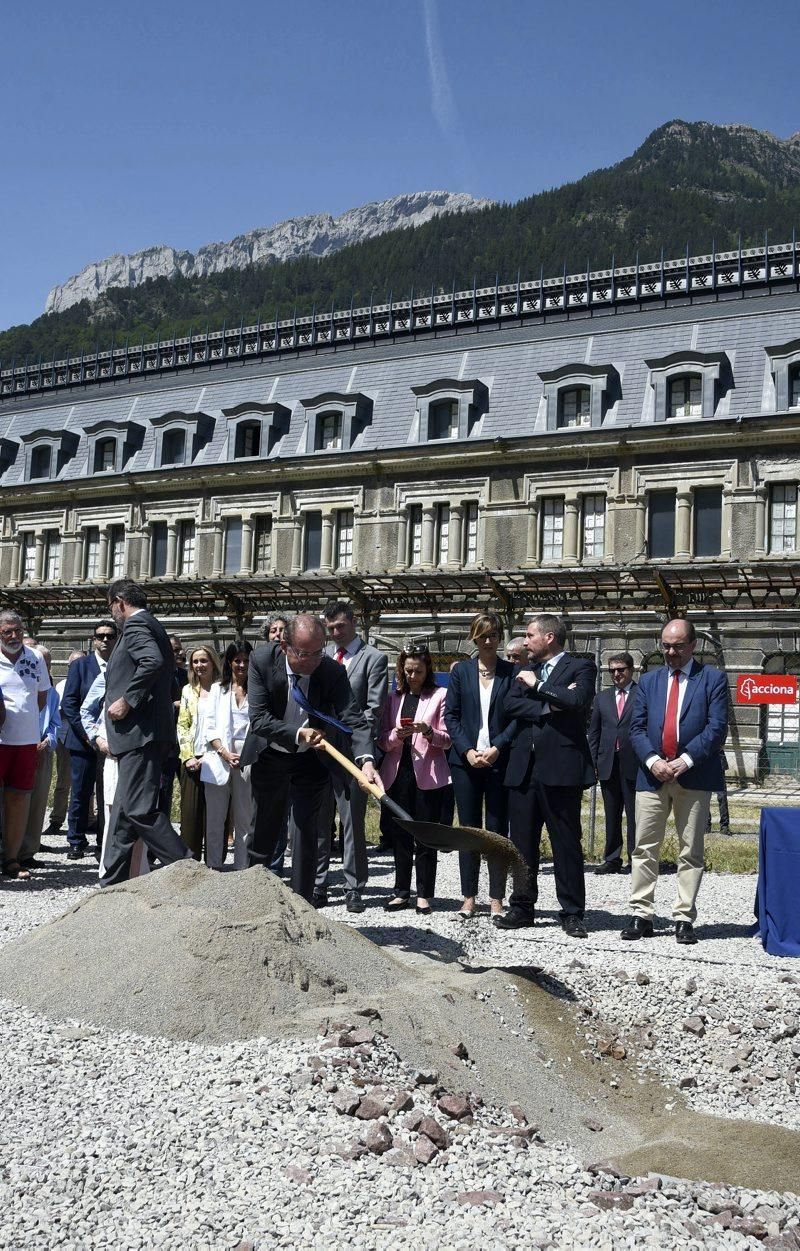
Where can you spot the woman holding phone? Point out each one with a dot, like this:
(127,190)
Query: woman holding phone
(414,771)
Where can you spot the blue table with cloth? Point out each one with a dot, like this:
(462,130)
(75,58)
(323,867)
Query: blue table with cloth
(778,893)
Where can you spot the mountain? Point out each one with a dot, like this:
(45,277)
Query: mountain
(690,184)
(317,235)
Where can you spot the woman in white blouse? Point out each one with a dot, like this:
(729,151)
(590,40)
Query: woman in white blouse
(481,735)
(226,730)
(204,669)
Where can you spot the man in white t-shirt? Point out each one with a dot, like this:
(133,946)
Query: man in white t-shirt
(24,682)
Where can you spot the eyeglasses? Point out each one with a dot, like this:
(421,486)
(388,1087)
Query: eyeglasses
(614,671)
(674,647)
(307,655)
(105,637)
(418,649)
(7,631)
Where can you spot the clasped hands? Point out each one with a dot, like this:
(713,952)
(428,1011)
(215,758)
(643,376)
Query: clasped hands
(668,770)
(483,759)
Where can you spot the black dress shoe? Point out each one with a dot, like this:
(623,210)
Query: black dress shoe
(396,905)
(573,925)
(684,933)
(514,919)
(638,927)
(76,853)
(424,912)
(609,866)
(354,902)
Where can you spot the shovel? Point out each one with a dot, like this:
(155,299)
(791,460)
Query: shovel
(429,833)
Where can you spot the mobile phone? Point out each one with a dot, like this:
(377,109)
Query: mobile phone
(406,721)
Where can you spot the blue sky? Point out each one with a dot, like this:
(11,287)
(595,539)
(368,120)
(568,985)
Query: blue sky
(128,125)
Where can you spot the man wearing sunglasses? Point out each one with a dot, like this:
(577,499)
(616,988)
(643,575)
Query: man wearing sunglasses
(615,760)
(85,776)
(297,696)
(679,724)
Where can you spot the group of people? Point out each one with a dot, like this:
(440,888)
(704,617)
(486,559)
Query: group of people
(509,745)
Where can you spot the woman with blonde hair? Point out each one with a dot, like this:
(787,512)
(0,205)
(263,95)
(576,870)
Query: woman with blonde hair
(205,668)
(481,735)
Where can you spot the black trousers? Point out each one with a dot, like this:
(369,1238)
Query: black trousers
(422,806)
(619,796)
(482,801)
(135,814)
(531,807)
(278,780)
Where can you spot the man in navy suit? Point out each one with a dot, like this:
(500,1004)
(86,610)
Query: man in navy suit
(615,760)
(84,771)
(548,770)
(679,724)
(297,695)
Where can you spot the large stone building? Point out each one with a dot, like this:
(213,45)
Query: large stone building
(617,446)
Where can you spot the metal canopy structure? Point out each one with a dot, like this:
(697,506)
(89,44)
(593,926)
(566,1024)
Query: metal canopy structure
(513,592)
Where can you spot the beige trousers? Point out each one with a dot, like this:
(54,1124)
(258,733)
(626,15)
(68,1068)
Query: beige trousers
(690,810)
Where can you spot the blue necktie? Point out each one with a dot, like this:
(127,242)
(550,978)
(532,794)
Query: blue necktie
(544,672)
(300,698)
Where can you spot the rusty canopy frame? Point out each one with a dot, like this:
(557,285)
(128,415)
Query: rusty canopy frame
(668,589)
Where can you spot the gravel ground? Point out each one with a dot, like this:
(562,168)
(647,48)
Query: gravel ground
(114,1141)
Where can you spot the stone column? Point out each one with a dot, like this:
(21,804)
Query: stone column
(102,563)
(454,554)
(326,551)
(532,552)
(246,564)
(216,563)
(683,526)
(402,540)
(428,531)
(570,550)
(144,552)
(297,545)
(39,565)
(760,542)
(172,549)
(77,569)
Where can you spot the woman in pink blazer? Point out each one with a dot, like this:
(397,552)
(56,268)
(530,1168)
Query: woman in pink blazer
(414,771)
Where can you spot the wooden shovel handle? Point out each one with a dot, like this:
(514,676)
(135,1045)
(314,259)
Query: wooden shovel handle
(347,764)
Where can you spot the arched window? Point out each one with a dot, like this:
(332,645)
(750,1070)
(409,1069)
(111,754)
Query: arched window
(105,455)
(685,396)
(173,447)
(574,407)
(329,432)
(41,460)
(248,439)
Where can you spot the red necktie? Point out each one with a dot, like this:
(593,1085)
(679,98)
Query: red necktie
(340,655)
(669,738)
(620,710)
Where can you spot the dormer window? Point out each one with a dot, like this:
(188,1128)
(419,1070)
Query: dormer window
(255,429)
(689,384)
(574,408)
(336,420)
(329,432)
(794,387)
(41,462)
(686,396)
(450,408)
(173,448)
(105,455)
(179,437)
(784,363)
(46,453)
(578,395)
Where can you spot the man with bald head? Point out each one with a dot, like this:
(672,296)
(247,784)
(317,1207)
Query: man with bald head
(678,726)
(297,696)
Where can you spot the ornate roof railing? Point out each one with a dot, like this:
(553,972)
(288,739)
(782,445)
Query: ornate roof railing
(688,278)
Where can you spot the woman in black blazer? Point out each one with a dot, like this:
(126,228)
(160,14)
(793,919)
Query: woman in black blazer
(481,734)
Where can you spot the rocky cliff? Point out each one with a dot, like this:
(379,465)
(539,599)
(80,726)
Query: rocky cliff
(317,235)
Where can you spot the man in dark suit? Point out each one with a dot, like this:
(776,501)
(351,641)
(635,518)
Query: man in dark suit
(295,694)
(140,731)
(615,760)
(85,775)
(679,724)
(366,670)
(548,770)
